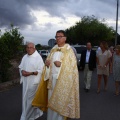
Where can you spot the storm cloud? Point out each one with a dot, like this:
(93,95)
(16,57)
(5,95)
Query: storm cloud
(58,15)
(18,12)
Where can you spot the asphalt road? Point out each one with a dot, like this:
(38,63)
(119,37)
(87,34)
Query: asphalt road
(103,106)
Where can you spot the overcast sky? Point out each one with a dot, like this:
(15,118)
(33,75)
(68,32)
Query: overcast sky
(39,20)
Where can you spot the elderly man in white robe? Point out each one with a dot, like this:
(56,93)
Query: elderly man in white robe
(31,68)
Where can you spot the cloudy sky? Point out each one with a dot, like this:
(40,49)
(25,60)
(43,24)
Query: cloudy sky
(39,20)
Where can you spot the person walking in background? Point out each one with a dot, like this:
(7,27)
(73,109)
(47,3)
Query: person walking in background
(74,50)
(116,68)
(98,49)
(31,68)
(88,63)
(103,60)
(111,59)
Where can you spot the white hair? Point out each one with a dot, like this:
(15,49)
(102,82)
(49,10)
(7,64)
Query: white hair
(30,43)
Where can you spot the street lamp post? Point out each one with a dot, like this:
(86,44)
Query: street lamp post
(116,23)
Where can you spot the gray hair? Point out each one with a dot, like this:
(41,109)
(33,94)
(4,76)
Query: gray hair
(27,43)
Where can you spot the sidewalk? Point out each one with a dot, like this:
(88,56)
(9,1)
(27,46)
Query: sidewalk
(9,84)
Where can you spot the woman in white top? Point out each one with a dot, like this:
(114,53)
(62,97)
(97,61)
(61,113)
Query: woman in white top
(103,58)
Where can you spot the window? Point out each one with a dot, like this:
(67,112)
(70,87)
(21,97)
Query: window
(43,51)
(80,49)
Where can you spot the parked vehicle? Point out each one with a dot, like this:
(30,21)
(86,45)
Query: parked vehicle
(43,53)
(79,49)
(95,48)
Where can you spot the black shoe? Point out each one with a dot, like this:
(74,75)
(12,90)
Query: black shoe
(87,90)
(98,91)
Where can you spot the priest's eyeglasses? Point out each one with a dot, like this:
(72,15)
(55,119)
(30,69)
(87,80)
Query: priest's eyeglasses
(59,37)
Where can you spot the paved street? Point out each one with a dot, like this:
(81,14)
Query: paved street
(103,106)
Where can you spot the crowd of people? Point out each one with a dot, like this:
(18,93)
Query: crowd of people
(107,61)
(53,86)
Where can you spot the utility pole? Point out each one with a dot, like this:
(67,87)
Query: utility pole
(116,23)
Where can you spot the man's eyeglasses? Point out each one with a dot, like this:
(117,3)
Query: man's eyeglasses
(59,36)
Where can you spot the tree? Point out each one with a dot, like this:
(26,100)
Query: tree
(4,61)
(10,42)
(13,40)
(38,46)
(89,29)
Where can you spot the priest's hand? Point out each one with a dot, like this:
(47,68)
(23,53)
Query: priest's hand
(57,63)
(25,73)
(47,63)
(34,73)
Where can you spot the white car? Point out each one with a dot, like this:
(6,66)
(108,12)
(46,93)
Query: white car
(44,53)
(79,49)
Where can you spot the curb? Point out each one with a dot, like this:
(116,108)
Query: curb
(7,85)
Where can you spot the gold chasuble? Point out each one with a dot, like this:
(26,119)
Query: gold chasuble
(65,98)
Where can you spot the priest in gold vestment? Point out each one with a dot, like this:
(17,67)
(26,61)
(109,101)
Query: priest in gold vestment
(58,92)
